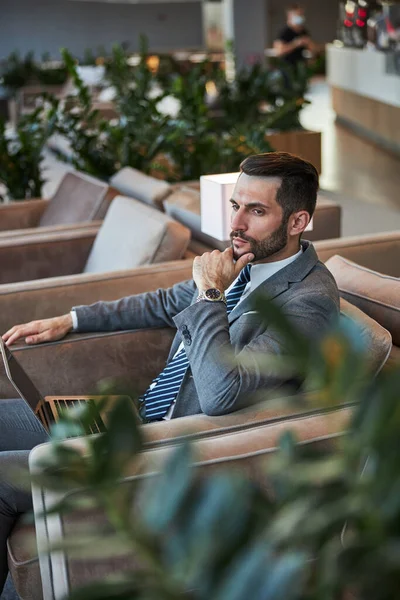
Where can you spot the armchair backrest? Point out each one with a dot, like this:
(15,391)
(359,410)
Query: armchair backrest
(376,294)
(135,184)
(133,234)
(78,198)
(376,340)
(377,251)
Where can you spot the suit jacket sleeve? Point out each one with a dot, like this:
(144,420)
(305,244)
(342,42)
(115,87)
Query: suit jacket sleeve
(224,386)
(151,309)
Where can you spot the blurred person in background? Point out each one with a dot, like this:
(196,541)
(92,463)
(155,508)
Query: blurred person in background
(294,39)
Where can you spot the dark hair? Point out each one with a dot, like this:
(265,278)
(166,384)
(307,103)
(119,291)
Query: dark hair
(300,179)
(294,6)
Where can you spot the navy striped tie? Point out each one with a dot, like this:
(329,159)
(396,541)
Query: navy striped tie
(159,399)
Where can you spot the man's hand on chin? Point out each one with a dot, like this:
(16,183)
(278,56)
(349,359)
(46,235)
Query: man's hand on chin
(217,269)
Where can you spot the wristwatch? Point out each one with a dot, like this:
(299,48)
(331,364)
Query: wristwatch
(212,295)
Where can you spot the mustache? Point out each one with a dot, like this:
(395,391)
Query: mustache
(241,236)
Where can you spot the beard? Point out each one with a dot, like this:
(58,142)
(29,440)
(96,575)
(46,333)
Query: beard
(262,249)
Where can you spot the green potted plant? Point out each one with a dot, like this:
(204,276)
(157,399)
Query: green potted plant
(17,71)
(93,145)
(197,146)
(21,152)
(50,72)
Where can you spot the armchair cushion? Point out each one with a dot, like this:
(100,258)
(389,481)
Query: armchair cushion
(134,183)
(377,340)
(376,294)
(133,234)
(78,198)
(183,205)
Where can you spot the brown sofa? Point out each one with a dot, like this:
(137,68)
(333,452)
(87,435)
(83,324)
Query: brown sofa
(86,357)
(131,234)
(78,198)
(44,298)
(239,440)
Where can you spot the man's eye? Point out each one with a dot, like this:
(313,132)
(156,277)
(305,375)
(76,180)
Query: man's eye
(235,207)
(258,212)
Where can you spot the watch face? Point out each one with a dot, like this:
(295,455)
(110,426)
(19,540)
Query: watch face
(213,294)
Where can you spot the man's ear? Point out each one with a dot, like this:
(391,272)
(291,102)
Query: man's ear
(298,222)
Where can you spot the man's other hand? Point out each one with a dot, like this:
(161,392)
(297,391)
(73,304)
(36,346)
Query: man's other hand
(304,40)
(217,269)
(35,332)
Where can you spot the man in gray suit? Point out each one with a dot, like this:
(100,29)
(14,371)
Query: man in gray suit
(272,205)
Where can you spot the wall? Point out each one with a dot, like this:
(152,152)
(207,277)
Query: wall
(47,25)
(322,18)
(250,31)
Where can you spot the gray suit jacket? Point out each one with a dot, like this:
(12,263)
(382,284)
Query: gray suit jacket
(305,290)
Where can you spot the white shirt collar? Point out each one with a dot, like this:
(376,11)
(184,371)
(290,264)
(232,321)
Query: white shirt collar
(259,273)
(263,271)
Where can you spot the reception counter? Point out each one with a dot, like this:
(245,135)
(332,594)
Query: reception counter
(365,96)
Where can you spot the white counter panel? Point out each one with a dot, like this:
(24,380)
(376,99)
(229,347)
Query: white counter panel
(362,72)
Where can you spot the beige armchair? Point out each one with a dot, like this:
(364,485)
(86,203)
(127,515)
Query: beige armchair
(78,198)
(131,234)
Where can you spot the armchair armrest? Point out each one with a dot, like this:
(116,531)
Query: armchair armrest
(77,363)
(37,256)
(22,214)
(201,427)
(379,252)
(30,300)
(55,229)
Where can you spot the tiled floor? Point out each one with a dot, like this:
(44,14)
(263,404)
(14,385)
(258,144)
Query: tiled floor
(362,178)
(351,166)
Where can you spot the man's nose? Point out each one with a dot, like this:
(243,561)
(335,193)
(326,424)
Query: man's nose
(238,221)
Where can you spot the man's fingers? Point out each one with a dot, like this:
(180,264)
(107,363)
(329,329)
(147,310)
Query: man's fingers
(19,331)
(10,338)
(14,337)
(243,261)
(10,332)
(45,336)
(7,334)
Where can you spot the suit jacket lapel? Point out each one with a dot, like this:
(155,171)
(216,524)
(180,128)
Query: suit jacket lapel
(280,282)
